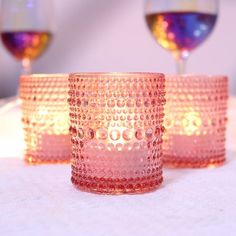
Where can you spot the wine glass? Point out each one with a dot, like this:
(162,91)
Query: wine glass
(181,25)
(26,31)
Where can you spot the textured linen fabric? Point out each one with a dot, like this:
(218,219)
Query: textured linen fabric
(40,200)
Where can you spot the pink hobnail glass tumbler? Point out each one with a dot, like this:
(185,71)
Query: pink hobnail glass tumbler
(116,131)
(195,120)
(45,118)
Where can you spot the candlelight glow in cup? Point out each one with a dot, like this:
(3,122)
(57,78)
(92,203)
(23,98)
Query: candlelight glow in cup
(116,131)
(195,120)
(45,118)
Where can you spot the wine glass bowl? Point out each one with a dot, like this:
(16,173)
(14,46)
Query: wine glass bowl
(26,29)
(181,25)
(26,45)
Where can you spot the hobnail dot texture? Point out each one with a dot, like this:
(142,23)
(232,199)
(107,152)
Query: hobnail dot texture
(195,121)
(116,131)
(45,118)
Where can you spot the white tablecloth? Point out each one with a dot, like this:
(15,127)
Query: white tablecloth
(40,200)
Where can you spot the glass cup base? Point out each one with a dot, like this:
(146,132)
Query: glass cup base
(117,187)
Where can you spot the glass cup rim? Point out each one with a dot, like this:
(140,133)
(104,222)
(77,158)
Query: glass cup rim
(196,76)
(45,75)
(117,74)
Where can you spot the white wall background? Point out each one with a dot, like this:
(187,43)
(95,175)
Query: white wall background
(111,35)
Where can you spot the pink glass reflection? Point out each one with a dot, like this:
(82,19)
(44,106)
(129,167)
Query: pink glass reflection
(195,120)
(45,118)
(116,131)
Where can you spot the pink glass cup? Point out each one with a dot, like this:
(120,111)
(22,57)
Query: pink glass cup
(45,118)
(195,120)
(116,131)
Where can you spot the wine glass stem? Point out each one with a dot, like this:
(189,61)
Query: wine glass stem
(26,66)
(181,66)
